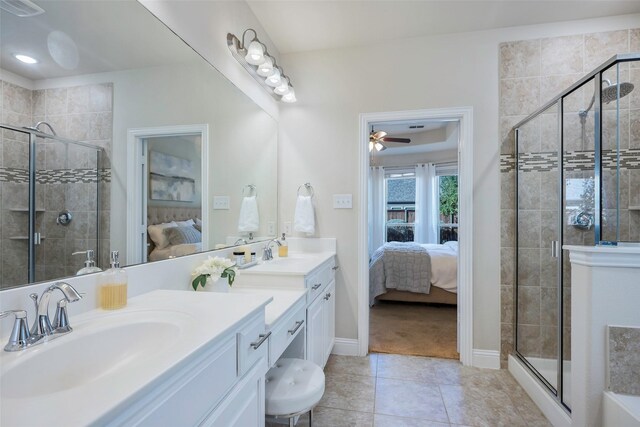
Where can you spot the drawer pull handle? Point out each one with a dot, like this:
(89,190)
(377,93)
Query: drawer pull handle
(327,296)
(316,286)
(334,268)
(298,324)
(262,338)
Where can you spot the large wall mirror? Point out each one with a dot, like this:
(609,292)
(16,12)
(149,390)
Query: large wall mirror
(116,135)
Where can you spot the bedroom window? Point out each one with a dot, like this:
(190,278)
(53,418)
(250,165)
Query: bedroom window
(448,201)
(400,195)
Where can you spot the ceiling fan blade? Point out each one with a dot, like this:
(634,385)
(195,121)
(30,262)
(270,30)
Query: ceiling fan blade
(391,139)
(379,134)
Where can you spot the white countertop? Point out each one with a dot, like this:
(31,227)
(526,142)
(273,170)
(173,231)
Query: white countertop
(195,321)
(283,300)
(296,264)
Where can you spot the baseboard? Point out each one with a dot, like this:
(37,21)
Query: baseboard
(486,359)
(345,347)
(539,394)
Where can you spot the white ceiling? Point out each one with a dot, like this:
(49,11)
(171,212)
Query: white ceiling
(108,36)
(437,135)
(303,25)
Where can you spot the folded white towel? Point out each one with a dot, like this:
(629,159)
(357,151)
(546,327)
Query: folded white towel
(249,220)
(304,218)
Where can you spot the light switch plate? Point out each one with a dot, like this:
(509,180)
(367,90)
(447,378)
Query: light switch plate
(221,202)
(342,201)
(271,228)
(287,228)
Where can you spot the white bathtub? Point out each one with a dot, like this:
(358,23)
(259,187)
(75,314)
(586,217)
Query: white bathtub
(620,410)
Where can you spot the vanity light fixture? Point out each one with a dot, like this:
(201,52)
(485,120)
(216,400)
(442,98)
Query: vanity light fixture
(25,58)
(255,58)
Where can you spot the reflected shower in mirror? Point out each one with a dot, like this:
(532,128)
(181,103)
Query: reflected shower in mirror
(121,99)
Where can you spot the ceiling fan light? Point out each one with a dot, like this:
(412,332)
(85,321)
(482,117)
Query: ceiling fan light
(255,53)
(266,68)
(379,146)
(289,97)
(274,80)
(370,146)
(283,89)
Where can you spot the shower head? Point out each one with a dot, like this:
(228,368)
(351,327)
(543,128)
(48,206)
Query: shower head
(609,93)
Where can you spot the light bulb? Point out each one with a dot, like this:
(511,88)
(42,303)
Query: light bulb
(370,146)
(255,53)
(290,96)
(274,80)
(26,59)
(283,89)
(266,68)
(380,147)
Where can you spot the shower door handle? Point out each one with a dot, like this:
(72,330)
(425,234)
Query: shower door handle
(554,249)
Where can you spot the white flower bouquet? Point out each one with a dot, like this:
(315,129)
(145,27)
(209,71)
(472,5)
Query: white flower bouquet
(214,269)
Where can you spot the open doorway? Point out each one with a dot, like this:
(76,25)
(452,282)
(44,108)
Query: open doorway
(463,116)
(167,178)
(413,237)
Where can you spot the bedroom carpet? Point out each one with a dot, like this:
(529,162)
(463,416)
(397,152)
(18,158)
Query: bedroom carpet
(413,329)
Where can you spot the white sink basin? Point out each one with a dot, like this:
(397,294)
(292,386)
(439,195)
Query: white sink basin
(296,263)
(117,341)
(114,358)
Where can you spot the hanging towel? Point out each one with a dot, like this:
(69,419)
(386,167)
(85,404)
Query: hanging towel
(304,220)
(249,220)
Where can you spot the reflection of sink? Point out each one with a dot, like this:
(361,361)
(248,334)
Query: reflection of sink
(119,340)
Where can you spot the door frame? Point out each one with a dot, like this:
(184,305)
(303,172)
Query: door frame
(136,202)
(464,116)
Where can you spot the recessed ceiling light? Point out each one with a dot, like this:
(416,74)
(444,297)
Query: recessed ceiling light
(26,59)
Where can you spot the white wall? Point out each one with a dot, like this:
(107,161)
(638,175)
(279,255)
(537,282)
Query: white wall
(204,26)
(318,138)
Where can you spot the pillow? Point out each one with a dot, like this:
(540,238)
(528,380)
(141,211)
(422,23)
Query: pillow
(181,235)
(187,223)
(156,234)
(198,225)
(452,244)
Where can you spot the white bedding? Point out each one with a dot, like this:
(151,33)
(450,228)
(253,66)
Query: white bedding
(444,265)
(175,251)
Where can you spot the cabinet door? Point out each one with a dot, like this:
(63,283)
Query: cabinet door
(244,407)
(315,332)
(329,320)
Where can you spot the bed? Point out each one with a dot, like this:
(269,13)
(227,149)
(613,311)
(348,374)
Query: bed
(163,243)
(414,272)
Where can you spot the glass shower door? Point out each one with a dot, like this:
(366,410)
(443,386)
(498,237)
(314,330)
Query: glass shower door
(538,245)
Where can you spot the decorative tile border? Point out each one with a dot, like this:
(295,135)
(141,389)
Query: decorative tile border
(573,161)
(57,176)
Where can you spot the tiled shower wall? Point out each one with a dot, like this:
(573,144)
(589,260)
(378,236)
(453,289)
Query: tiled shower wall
(531,73)
(67,178)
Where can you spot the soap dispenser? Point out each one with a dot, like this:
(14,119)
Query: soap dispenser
(89,263)
(283,249)
(113,285)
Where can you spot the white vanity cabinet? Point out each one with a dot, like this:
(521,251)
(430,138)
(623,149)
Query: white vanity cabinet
(321,331)
(316,274)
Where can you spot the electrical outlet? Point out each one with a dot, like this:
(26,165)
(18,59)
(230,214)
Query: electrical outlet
(271,228)
(287,227)
(342,201)
(221,202)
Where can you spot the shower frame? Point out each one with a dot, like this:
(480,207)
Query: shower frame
(33,235)
(597,76)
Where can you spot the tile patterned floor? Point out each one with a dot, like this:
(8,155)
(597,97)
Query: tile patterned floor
(385,390)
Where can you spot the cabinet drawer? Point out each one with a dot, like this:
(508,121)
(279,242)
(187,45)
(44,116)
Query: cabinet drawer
(252,339)
(286,330)
(197,394)
(318,280)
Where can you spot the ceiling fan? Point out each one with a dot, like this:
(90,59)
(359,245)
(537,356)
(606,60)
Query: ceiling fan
(376,140)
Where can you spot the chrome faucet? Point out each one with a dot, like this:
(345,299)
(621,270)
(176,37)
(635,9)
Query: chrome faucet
(42,325)
(240,240)
(42,330)
(267,254)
